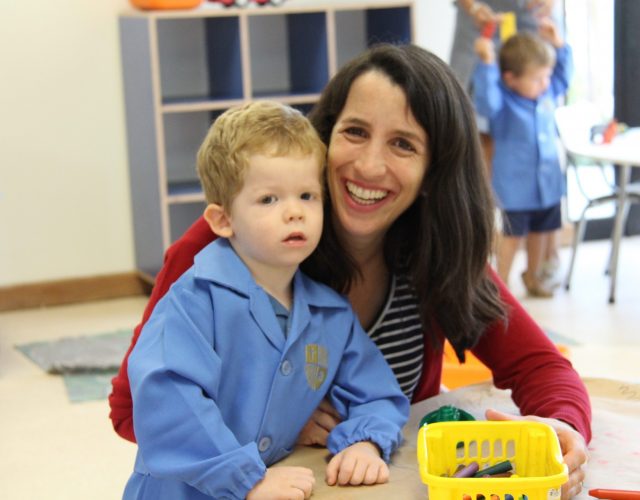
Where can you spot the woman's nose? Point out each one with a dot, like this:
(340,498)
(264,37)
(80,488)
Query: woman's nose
(371,162)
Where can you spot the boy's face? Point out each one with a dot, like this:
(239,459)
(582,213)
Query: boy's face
(530,84)
(276,218)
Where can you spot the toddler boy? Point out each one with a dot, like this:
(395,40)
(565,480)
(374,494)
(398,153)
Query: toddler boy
(244,347)
(519,99)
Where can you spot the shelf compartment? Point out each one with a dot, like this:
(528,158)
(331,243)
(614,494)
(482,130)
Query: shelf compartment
(184,133)
(358,29)
(288,54)
(187,191)
(182,216)
(191,53)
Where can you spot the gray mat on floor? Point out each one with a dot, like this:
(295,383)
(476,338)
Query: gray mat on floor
(556,338)
(87,363)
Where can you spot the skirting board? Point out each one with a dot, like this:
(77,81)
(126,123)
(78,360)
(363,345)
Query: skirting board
(71,291)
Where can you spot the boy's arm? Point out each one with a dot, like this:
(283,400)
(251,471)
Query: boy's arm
(563,69)
(178,258)
(174,374)
(487,96)
(366,394)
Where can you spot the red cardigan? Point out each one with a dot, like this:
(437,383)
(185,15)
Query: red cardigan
(522,358)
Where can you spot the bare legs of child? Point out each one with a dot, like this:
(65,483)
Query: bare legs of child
(536,244)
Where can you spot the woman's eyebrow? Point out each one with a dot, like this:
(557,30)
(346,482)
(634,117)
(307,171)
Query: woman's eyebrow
(407,134)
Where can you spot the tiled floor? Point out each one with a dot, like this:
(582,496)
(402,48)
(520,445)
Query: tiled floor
(57,450)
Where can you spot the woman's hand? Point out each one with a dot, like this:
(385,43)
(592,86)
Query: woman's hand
(321,423)
(573,445)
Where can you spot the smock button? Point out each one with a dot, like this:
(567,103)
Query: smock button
(285,367)
(264,443)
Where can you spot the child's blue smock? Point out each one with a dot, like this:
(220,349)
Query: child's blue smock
(526,173)
(219,393)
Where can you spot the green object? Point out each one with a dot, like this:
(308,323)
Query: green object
(498,468)
(447,413)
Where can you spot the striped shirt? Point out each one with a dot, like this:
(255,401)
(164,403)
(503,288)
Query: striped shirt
(398,334)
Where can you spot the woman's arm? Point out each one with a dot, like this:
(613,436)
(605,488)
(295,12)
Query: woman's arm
(544,384)
(523,359)
(178,258)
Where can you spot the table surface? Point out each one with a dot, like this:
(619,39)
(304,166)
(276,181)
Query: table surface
(614,449)
(624,149)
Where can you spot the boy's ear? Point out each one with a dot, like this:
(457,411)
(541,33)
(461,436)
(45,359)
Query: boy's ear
(218,220)
(508,77)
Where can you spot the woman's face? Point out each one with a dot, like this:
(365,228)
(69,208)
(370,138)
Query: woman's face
(377,158)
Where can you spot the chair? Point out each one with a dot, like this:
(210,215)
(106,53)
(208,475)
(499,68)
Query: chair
(574,123)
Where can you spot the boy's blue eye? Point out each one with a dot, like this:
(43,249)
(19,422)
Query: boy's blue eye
(306,196)
(268,199)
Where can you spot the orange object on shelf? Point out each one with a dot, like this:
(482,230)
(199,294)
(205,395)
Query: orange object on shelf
(473,371)
(165,4)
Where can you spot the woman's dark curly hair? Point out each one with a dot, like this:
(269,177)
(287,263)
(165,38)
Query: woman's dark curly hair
(443,240)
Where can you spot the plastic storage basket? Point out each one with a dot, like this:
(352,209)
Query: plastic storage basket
(531,447)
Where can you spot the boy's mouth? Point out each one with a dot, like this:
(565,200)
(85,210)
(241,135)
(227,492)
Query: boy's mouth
(295,238)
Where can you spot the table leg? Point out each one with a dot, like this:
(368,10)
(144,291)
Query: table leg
(625,171)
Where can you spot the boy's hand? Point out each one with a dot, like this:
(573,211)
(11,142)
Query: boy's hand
(485,50)
(548,31)
(357,464)
(321,423)
(541,7)
(284,483)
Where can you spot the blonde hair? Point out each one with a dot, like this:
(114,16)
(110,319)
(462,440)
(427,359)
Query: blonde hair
(259,127)
(525,49)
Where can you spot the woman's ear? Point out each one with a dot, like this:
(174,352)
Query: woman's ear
(218,220)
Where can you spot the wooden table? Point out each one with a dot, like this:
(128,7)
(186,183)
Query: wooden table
(615,447)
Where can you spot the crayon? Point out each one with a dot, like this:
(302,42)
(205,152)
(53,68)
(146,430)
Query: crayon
(488,29)
(495,469)
(467,471)
(615,494)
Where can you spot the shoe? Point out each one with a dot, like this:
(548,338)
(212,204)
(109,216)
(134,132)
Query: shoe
(535,287)
(550,274)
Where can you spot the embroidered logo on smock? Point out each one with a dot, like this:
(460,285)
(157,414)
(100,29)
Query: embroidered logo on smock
(315,367)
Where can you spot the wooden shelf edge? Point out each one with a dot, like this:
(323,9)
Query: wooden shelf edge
(75,290)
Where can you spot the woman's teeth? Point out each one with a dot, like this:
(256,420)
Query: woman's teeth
(365,196)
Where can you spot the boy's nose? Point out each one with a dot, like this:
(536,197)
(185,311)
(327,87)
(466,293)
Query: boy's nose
(294,211)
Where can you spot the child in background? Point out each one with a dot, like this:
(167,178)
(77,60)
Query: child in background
(243,348)
(519,98)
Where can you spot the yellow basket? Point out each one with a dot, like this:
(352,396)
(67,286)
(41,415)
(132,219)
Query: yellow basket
(531,447)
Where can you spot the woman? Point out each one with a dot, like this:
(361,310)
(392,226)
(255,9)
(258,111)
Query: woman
(411,208)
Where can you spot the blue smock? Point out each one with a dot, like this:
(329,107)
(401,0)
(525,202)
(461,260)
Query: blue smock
(526,173)
(219,393)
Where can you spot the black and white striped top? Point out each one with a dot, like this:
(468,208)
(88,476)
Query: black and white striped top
(398,334)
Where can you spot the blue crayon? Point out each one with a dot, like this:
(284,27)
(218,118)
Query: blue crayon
(467,471)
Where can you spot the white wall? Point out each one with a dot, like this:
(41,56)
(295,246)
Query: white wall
(64,195)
